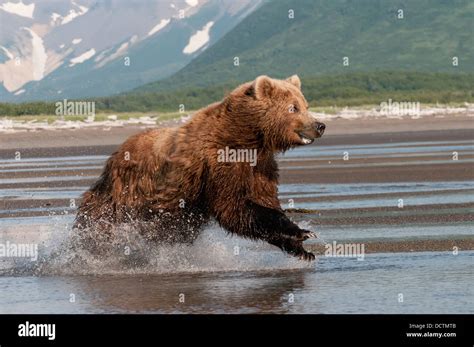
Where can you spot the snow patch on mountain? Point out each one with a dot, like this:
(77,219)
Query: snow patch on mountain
(73,13)
(119,52)
(55,17)
(39,55)
(20,9)
(159,26)
(82,58)
(69,17)
(7,52)
(199,39)
(192,3)
(44,35)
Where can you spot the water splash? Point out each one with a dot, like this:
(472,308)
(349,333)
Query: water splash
(63,253)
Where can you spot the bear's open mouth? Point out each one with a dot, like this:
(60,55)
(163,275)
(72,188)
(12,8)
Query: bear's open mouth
(305,139)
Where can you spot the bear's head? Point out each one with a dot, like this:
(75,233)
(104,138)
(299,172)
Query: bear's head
(277,111)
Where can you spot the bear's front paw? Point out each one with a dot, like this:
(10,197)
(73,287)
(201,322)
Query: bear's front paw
(306,234)
(293,247)
(301,253)
(308,256)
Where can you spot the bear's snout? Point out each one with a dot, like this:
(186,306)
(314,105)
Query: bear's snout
(320,127)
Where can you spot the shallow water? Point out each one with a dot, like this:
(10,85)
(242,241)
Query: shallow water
(429,282)
(383,149)
(349,194)
(223,274)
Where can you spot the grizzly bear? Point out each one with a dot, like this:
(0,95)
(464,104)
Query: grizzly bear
(169,182)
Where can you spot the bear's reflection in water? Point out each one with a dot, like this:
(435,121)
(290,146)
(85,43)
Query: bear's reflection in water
(252,292)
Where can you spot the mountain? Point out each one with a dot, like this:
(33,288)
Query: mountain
(54,49)
(313,37)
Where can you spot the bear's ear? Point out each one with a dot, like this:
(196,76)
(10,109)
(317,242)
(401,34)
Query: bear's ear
(295,80)
(262,87)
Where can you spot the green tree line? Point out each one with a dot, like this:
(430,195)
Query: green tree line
(336,90)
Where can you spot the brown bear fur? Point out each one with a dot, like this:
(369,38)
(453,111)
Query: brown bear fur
(169,182)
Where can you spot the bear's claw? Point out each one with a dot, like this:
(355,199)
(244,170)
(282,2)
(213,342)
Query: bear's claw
(309,235)
(293,246)
(305,235)
(308,256)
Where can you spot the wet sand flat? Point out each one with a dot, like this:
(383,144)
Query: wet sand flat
(357,174)
(399,194)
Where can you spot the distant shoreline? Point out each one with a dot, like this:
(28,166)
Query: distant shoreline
(109,134)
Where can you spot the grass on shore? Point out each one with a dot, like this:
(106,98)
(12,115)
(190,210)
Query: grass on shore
(168,116)
(351,90)
(99,117)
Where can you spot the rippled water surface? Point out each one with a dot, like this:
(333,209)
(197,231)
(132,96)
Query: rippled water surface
(223,274)
(430,282)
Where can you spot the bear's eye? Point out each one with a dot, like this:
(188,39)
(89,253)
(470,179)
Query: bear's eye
(293,108)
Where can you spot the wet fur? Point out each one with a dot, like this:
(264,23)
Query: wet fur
(169,183)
